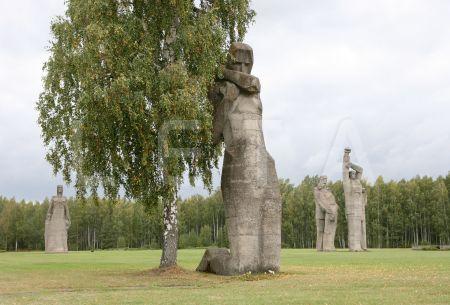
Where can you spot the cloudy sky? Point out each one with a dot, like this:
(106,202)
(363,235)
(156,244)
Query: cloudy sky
(373,75)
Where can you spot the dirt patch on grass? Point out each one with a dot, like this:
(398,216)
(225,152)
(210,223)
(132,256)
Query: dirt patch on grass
(173,271)
(248,277)
(179,272)
(178,276)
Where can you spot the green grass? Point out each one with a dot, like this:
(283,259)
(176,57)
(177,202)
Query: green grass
(125,277)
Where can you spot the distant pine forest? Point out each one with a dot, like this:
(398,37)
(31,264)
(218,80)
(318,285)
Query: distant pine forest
(399,214)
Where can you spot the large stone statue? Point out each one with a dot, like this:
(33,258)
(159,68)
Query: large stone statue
(57,223)
(363,220)
(249,185)
(352,175)
(326,216)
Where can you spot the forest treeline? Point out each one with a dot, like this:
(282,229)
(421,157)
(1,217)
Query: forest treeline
(399,214)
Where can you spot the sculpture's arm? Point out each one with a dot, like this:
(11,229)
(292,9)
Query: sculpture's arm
(365,199)
(334,206)
(50,210)
(333,209)
(66,213)
(221,95)
(244,81)
(358,169)
(216,98)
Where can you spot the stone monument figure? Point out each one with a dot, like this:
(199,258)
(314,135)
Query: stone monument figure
(363,220)
(352,175)
(57,223)
(249,183)
(326,216)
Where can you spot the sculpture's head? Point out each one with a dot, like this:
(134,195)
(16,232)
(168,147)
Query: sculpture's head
(347,150)
(240,57)
(59,190)
(322,182)
(352,175)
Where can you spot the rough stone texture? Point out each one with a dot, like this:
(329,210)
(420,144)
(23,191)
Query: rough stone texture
(326,216)
(216,261)
(352,175)
(363,220)
(57,223)
(249,185)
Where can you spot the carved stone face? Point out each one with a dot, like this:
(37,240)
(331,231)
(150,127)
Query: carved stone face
(59,190)
(352,175)
(240,58)
(322,182)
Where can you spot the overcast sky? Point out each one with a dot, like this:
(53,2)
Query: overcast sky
(373,75)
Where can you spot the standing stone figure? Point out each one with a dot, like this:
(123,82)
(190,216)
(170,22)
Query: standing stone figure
(249,184)
(326,216)
(57,223)
(352,175)
(363,221)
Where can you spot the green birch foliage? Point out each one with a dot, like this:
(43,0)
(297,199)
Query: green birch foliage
(126,82)
(398,214)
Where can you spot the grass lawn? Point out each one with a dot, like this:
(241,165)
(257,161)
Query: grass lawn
(125,277)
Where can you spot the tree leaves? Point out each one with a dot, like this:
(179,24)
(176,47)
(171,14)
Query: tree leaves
(109,91)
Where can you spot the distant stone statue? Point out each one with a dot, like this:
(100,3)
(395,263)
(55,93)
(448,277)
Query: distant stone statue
(249,185)
(363,220)
(326,216)
(57,223)
(352,175)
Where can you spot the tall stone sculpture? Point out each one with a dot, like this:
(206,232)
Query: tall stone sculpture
(326,216)
(352,175)
(57,223)
(363,220)
(249,185)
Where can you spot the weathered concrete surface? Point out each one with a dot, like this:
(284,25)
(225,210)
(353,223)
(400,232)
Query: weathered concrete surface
(249,185)
(57,223)
(326,216)
(216,261)
(363,220)
(351,176)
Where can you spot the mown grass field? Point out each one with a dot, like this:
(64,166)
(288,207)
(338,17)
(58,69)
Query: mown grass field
(126,277)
